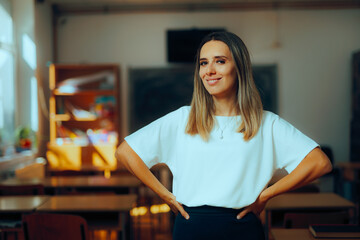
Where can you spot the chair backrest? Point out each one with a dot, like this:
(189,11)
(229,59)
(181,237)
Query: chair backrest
(45,226)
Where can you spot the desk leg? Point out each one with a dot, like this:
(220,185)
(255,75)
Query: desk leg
(267,224)
(339,181)
(126,227)
(355,187)
(131,229)
(357,195)
(357,213)
(123,226)
(353,214)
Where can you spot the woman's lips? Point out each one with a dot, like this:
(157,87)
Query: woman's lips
(212,81)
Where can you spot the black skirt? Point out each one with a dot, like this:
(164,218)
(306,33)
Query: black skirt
(217,223)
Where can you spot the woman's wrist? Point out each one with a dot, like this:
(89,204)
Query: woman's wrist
(165,194)
(265,195)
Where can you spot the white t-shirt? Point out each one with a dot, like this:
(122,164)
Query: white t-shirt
(224,172)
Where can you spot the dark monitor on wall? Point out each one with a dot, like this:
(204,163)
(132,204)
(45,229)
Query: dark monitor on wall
(154,92)
(182,44)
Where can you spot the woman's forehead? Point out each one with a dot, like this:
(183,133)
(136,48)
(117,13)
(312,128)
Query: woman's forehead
(214,48)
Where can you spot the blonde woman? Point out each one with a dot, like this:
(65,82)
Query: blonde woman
(222,150)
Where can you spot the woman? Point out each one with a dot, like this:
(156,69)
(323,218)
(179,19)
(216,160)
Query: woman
(222,150)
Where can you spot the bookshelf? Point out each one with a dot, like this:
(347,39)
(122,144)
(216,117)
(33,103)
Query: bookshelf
(84,109)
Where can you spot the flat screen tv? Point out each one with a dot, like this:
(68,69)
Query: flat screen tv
(182,44)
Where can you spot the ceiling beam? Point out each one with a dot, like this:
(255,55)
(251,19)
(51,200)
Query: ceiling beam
(67,8)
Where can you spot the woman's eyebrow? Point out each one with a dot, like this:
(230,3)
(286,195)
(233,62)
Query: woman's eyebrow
(201,59)
(221,57)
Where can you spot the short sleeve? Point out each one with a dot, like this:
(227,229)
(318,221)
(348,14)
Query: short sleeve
(290,145)
(155,142)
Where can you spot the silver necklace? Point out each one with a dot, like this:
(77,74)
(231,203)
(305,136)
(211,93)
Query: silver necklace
(222,129)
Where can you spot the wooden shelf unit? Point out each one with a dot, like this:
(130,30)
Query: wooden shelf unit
(65,152)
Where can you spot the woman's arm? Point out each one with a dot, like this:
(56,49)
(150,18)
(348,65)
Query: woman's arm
(133,163)
(313,166)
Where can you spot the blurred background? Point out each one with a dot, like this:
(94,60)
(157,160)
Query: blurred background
(310,43)
(305,56)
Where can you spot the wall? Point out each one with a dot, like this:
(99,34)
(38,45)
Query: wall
(311,48)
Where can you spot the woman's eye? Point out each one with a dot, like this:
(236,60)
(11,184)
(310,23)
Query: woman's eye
(220,61)
(203,63)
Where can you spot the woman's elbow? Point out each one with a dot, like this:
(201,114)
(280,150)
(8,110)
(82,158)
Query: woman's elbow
(319,162)
(327,167)
(119,153)
(324,164)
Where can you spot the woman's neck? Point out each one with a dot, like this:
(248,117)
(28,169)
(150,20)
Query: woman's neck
(225,107)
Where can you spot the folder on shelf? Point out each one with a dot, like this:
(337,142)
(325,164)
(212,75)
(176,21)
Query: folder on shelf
(80,114)
(335,231)
(104,80)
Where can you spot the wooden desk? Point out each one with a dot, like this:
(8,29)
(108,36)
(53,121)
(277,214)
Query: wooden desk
(21,182)
(20,204)
(84,169)
(92,181)
(118,184)
(296,234)
(73,183)
(306,202)
(93,207)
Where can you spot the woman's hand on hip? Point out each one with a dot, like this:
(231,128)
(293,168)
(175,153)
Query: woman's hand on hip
(257,207)
(175,206)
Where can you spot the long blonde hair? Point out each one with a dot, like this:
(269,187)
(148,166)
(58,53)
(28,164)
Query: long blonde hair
(248,105)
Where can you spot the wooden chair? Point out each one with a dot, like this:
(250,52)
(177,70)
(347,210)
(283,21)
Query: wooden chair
(13,228)
(303,220)
(10,229)
(45,226)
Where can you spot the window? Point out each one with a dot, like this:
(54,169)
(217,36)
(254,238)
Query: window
(28,54)
(7,78)
(18,85)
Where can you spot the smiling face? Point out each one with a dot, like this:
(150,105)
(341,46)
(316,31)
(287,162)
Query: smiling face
(217,70)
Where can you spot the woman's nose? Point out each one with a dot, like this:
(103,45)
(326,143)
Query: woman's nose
(210,69)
